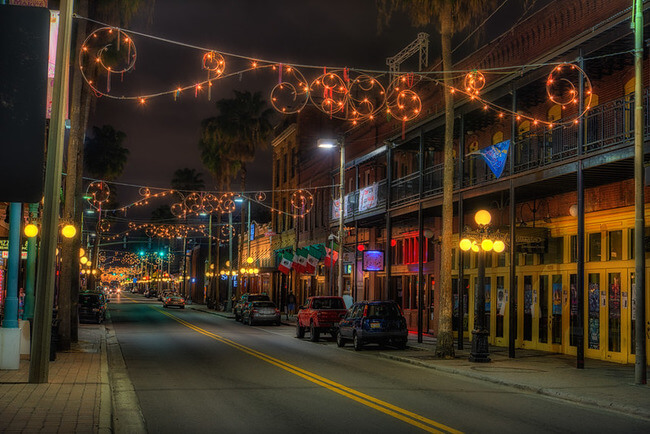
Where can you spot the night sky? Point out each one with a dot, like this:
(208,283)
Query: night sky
(162,135)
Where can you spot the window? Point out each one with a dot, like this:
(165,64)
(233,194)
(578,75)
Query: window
(594,247)
(497,137)
(284,168)
(615,245)
(555,251)
(554,113)
(574,248)
(294,160)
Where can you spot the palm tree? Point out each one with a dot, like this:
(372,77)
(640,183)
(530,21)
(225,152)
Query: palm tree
(104,155)
(229,140)
(81,100)
(187,179)
(451,16)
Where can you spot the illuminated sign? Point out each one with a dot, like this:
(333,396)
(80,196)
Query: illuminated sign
(373,260)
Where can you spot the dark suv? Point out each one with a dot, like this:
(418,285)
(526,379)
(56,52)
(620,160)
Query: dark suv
(92,306)
(379,322)
(245,300)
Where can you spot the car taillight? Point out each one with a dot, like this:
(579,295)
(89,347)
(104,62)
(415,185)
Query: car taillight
(277,310)
(365,311)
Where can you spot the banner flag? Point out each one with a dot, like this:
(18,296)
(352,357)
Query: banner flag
(495,156)
(285,263)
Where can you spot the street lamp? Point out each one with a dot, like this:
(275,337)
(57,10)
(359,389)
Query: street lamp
(480,241)
(331,143)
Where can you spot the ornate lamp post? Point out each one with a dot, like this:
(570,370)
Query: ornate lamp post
(480,241)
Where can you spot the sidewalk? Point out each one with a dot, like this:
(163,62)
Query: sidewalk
(75,400)
(600,384)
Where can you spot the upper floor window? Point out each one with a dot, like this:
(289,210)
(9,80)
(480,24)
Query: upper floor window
(497,137)
(554,113)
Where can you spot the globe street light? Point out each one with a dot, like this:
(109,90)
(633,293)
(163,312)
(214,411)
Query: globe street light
(330,143)
(479,241)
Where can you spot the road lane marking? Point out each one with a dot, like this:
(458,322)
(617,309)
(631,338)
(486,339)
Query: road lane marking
(404,415)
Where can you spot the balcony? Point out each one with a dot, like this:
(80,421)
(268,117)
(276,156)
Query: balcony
(360,203)
(608,126)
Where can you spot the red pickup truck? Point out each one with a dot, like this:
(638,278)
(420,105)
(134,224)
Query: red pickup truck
(320,314)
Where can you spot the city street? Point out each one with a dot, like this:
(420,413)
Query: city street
(197,372)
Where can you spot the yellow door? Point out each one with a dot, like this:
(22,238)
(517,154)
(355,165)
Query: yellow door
(595,309)
(616,321)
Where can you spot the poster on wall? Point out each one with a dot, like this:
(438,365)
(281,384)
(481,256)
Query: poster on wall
(557,299)
(373,260)
(368,198)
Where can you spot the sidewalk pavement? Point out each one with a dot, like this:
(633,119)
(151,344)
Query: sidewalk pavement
(76,399)
(600,384)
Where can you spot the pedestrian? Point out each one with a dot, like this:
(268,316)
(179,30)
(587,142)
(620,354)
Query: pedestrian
(291,304)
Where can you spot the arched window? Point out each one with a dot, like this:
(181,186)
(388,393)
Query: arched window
(523,128)
(629,86)
(497,137)
(554,113)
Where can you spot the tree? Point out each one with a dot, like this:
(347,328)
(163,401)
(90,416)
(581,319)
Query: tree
(104,155)
(231,139)
(451,16)
(81,102)
(187,180)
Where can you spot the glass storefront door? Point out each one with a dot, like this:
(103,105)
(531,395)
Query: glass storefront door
(528,309)
(593,303)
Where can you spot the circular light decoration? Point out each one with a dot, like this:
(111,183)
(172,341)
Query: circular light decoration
(260,197)
(178,210)
(227,203)
(98,193)
(329,93)
(403,103)
(144,192)
(302,201)
(214,63)
(112,50)
(194,202)
(210,203)
(474,82)
(69,231)
(103,226)
(562,86)
(291,93)
(366,97)
(31,230)
(227,231)
(83,260)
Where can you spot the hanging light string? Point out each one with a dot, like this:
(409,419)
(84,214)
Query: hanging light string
(334,92)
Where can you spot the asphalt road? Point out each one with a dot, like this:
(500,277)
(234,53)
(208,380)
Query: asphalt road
(196,372)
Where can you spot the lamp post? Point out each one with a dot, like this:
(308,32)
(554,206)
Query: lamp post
(329,143)
(479,241)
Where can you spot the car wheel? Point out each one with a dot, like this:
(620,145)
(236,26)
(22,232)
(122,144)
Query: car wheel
(300,331)
(313,333)
(340,342)
(356,342)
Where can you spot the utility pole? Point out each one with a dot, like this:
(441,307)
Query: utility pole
(39,361)
(640,369)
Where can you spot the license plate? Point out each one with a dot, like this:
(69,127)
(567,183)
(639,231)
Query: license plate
(375,325)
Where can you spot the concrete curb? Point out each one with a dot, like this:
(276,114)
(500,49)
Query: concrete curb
(126,416)
(643,413)
(105,399)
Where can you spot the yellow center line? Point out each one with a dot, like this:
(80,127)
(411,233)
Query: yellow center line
(367,400)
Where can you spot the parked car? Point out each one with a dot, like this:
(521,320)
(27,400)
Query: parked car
(261,311)
(379,322)
(243,303)
(151,293)
(174,300)
(92,307)
(320,314)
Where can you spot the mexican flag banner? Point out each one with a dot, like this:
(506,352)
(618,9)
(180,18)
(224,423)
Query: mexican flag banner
(302,260)
(295,262)
(331,254)
(285,263)
(312,260)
